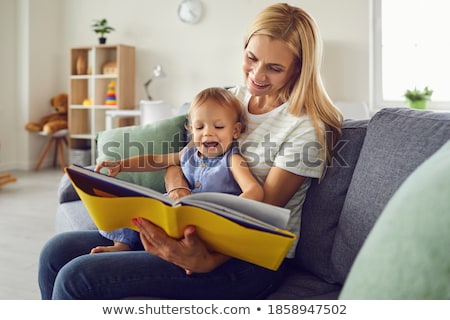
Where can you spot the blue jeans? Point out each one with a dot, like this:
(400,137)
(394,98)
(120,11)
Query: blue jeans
(68,271)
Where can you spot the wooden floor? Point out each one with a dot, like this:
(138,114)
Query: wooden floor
(27,215)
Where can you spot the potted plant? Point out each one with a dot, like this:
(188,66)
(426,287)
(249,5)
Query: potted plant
(101,27)
(417,99)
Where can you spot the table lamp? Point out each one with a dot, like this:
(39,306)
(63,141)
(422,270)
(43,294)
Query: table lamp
(157,73)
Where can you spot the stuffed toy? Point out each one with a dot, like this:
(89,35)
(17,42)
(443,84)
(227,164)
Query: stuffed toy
(55,121)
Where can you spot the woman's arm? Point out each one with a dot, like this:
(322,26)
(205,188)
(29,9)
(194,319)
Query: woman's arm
(250,187)
(278,189)
(280,186)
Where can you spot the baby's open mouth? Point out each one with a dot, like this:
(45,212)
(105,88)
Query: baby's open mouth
(210,144)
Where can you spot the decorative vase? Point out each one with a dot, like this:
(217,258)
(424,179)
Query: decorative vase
(81,65)
(418,104)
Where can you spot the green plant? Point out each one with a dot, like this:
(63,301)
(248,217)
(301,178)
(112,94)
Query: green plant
(418,95)
(101,27)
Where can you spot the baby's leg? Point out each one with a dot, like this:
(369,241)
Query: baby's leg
(118,246)
(123,239)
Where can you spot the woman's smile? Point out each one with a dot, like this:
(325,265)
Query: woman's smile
(257,85)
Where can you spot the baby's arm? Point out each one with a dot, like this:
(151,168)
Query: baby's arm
(250,187)
(148,162)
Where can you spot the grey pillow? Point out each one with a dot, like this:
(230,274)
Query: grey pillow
(324,201)
(406,255)
(398,140)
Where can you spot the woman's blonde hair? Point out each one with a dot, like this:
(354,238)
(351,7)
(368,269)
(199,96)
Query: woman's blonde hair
(224,98)
(305,92)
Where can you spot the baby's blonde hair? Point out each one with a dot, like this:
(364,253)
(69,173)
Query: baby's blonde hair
(224,98)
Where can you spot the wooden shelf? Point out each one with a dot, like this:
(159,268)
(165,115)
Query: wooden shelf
(89,80)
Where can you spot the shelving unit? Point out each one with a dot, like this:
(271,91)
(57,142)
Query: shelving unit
(92,69)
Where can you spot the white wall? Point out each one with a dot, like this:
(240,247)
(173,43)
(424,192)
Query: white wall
(30,61)
(8,78)
(193,57)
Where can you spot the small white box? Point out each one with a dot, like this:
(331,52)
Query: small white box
(81,157)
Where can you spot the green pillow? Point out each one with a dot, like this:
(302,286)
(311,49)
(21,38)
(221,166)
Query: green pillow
(164,136)
(407,253)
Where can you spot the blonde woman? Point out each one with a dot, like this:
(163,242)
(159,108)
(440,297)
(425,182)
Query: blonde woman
(291,122)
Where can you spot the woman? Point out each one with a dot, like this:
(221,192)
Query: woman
(289,114)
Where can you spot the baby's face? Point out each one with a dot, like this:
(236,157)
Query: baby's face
(213,127)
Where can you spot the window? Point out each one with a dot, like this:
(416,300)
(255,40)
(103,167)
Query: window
(411,49)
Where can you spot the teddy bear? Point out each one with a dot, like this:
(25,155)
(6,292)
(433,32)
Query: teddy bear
(55,121)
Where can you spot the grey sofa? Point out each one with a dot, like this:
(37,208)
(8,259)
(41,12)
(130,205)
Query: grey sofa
(372,160)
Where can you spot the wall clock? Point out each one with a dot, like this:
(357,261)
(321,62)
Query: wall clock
(190,11)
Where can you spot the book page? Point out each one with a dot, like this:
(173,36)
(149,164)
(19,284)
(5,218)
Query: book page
(237,217)
(244,208)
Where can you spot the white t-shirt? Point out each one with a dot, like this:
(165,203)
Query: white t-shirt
(280,139)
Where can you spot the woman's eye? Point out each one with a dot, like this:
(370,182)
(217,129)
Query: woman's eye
(252,58)
(277,70)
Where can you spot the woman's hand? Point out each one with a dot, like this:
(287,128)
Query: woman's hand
(113,167)
(189,252)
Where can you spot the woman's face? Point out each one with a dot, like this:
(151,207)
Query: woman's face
(268,65)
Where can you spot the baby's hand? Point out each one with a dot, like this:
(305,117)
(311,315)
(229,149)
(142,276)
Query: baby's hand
(178,193)
(113,167)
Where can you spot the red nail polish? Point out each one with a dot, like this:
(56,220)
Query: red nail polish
(191,230)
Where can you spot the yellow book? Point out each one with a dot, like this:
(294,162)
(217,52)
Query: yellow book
(242,228)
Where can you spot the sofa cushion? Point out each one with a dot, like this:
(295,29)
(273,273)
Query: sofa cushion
(323,204)
(300,284)
(398,140)
(406,255)
(164,136)
(73,216)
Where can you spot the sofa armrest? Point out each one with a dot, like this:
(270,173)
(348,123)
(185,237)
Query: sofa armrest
(66,191)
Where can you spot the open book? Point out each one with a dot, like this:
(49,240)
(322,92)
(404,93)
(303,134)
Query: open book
(242,228)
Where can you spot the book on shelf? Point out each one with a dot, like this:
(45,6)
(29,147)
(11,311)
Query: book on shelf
(242,228)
